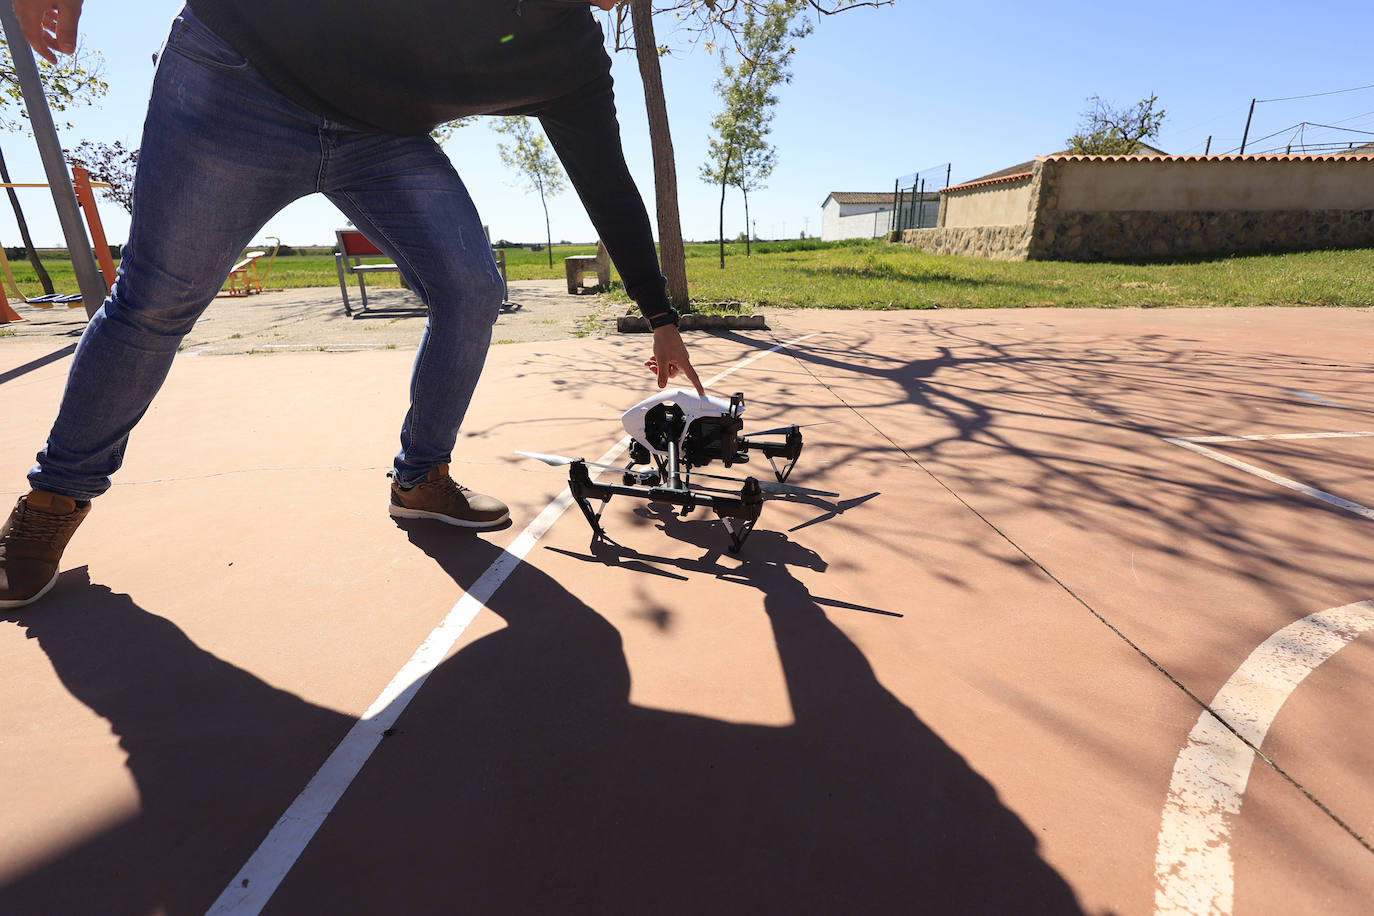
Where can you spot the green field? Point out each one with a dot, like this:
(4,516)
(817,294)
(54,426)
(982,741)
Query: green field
(874,275)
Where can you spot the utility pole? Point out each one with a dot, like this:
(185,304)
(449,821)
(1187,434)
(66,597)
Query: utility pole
(93,289)
(1246,137)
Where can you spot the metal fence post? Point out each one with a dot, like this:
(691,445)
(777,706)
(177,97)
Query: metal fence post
(93,291)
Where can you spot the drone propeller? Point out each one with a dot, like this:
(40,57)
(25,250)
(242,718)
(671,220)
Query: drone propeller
(786,429)
(772,486)
(559,461)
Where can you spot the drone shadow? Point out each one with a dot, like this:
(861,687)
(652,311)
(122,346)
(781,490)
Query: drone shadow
(521,778)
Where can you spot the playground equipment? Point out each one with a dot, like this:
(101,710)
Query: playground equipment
(50,148)
(82,184)
(244,279)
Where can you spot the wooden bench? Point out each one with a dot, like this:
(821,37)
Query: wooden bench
(353,246)
(579,264)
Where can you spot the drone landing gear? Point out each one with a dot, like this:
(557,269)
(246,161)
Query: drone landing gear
(789,450)
(738,513)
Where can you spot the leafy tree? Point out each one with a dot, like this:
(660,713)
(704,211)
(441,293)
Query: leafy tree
(699,20)
(114,165)
(746,88)
(74,80)
(444,132)
(1107,131)
(531,156)
(755,166)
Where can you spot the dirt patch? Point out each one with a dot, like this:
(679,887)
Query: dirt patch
(314,319)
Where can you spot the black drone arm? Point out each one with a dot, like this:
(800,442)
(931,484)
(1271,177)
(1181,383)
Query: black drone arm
(788,449)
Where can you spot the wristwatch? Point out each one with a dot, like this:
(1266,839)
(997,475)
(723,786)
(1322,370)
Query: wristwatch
(662,318)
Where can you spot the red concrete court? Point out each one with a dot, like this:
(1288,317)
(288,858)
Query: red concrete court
(969,684)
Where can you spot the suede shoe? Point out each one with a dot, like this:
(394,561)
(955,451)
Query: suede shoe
(31,544)
(440,497)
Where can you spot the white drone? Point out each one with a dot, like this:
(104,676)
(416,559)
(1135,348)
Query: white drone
(675,432)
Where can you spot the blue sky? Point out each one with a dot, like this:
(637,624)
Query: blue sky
(876,94)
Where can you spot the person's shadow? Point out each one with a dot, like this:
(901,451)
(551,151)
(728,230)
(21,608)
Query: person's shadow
(217,755)
(522,780)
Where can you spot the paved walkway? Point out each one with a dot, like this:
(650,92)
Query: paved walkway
(981,680)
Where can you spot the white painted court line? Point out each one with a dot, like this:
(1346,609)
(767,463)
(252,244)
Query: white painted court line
(1329,498)
(1193,866)
(1276,436)
(264,871)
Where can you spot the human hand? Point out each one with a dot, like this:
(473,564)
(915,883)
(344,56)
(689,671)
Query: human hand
(670,357)
(49,25)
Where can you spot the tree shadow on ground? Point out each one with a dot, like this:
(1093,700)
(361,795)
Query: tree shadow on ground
(1076,417)
(521,779)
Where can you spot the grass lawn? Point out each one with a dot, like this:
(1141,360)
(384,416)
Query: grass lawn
(879,276)
(875,275)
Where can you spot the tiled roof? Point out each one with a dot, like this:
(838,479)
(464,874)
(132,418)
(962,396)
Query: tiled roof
(1024,169)
(1227,158)
(875,197)
(1003,177)
(862,197)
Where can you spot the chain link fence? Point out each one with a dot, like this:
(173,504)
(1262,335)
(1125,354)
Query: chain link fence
(916,198)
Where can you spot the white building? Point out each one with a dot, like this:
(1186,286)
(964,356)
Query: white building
(864,215)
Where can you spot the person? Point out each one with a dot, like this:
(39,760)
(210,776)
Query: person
(249,112)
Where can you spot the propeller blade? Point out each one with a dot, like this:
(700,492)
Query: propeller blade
(786,429)
(771,486)
(559,461)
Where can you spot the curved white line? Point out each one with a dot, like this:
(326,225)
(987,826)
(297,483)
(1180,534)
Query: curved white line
(1193,867)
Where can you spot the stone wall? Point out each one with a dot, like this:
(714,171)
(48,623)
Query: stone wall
(1212,183)
(1078,236)
(1052,232)
(998,243)
(1063,234)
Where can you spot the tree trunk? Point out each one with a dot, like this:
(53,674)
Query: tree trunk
(722,216)
(748,235)
(38,268)
(671,255)
(548,232)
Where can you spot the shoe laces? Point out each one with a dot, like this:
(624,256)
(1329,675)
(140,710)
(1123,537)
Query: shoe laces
(449,486)
(32,524)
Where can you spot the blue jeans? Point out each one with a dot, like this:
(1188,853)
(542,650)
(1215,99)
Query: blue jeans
(222,153)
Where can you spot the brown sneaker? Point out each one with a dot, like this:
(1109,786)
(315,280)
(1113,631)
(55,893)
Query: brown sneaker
(439,497)
(31,544)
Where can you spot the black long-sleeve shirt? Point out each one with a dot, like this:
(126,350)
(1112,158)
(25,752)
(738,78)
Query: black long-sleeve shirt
(407,66)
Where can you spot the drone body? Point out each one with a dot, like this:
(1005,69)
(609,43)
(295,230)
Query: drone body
(675,433)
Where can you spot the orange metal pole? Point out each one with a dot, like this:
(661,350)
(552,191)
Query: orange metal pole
(86,198)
